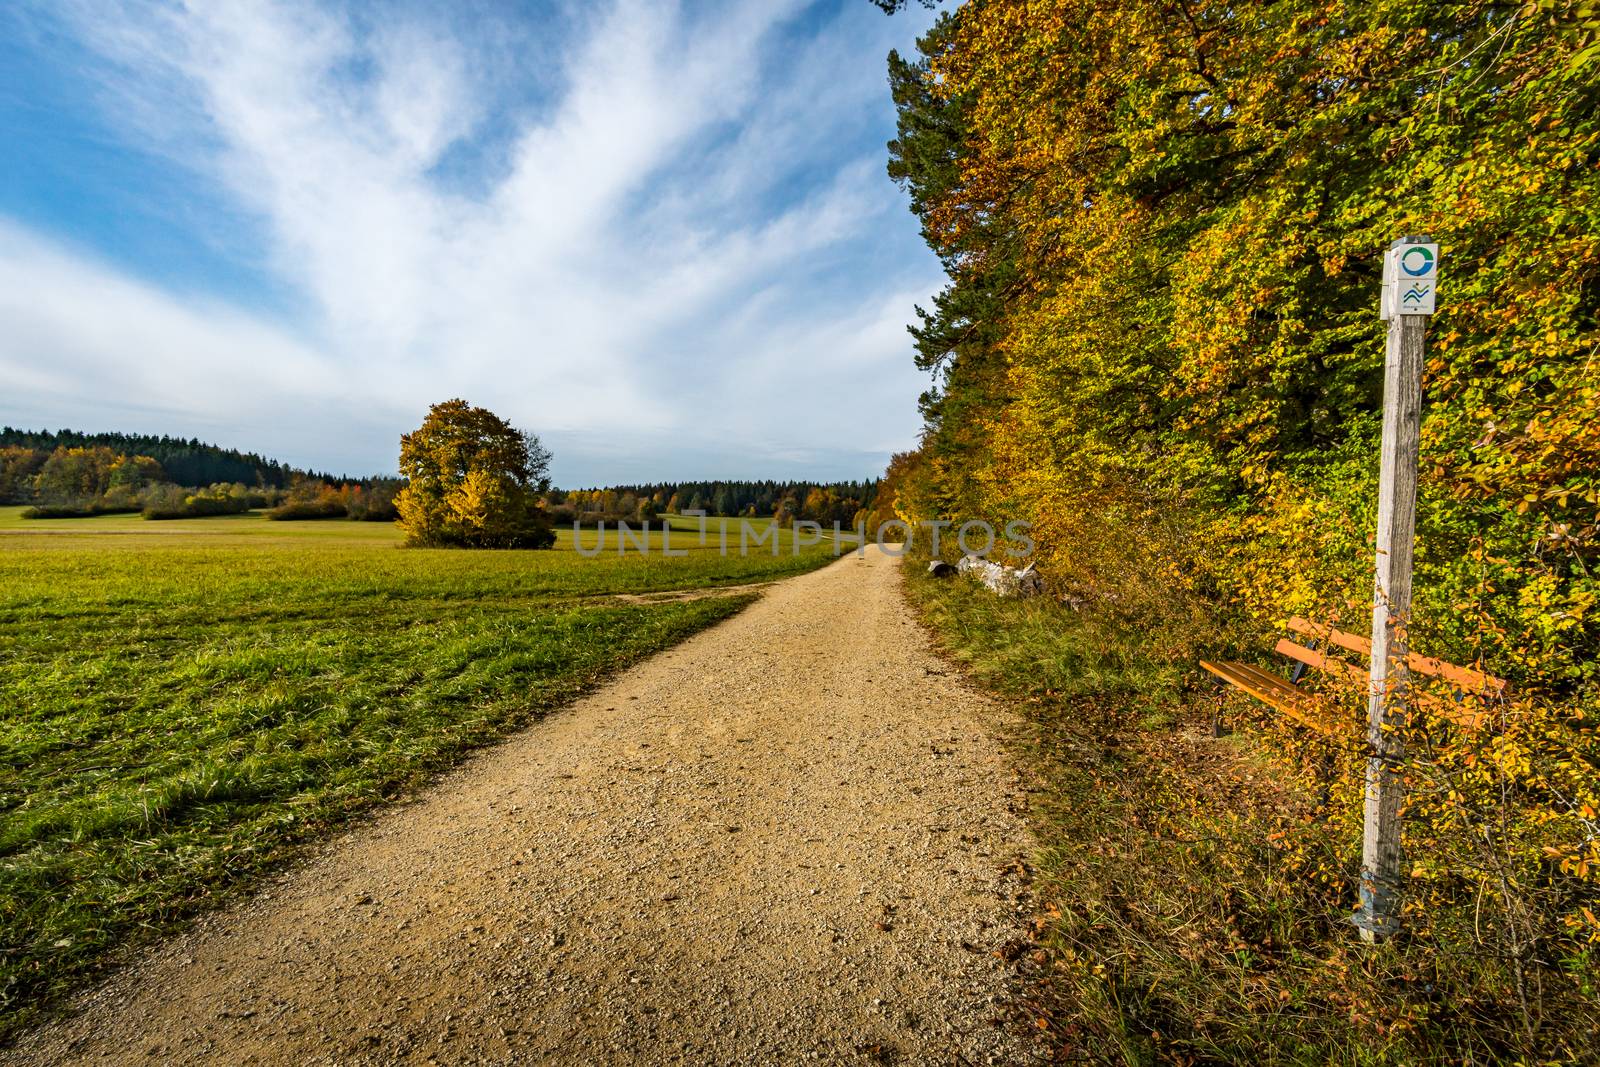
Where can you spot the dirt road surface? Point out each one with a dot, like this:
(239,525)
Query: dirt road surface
(789,839)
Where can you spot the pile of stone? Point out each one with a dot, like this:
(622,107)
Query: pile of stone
(998,579)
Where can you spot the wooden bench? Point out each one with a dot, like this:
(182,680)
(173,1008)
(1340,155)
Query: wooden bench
(1472,690)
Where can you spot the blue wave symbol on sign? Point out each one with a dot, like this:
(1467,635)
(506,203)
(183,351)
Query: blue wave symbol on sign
(1415,295)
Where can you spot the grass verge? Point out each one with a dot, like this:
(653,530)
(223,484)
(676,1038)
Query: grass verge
(1192,907)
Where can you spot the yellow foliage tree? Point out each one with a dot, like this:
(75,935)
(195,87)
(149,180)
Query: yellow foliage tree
(473,480)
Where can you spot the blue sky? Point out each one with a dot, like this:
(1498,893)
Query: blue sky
(658,234)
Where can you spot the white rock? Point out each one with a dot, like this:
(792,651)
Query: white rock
(1002,580)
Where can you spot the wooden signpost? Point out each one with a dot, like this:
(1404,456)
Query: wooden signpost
(1410,283)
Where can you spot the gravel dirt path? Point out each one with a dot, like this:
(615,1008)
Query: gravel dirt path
(791,838)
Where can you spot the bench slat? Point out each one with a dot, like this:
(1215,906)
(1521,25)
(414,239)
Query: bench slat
(1322,661)
(1312,710)
(1274,692)
(1470,680)
(1287,691)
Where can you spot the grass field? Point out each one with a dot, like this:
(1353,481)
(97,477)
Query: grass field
(182,703)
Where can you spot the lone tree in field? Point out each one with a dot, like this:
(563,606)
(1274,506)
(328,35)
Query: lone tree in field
(474,481)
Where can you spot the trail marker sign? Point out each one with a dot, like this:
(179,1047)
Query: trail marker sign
(1410,279)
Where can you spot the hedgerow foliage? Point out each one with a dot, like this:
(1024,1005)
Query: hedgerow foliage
(1163,225)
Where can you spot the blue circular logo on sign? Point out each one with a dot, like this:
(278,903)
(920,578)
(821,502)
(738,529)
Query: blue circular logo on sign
(1416,261)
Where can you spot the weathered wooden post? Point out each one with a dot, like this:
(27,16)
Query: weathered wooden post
(1410,281)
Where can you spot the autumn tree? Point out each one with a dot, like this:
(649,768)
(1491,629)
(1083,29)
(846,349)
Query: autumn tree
(74,474)
(1226,406)
(18,466)
(1162,225)
(473,480)
(134,473)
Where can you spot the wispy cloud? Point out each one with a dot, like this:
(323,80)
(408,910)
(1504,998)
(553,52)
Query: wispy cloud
(116,344)
(660,234)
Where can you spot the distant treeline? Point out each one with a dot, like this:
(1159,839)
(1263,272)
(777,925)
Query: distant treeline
(824,502)
(65,481)
(67,474)
(371,500)
(185,462)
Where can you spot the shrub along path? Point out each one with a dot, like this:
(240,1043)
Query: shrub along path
(793,834)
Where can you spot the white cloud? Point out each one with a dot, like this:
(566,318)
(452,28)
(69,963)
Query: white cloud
(625,269)
(81,309)
(126,352)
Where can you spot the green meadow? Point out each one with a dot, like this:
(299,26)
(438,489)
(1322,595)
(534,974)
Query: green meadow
(184,703)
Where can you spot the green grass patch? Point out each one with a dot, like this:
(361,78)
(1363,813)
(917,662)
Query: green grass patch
(1190,907)
(180,709)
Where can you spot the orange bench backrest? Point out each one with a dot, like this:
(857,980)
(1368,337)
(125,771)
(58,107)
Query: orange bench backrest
(1471,681)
